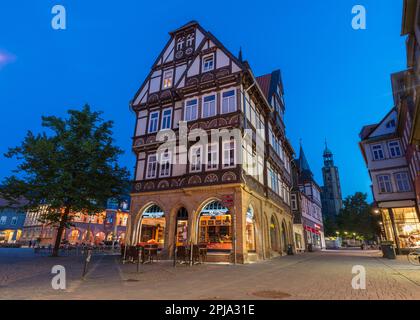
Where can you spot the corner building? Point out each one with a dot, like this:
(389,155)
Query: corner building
(233,195)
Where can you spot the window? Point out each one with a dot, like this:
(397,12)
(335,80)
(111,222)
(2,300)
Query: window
(208,63)
(166,119)
(209,106)
(3,220)
(167,79)
(14,221)
(153,121)
(394,149)
(228,101)
(390,124)
(190,39)
(165,164)
(294,202)
(384,183)
(229,154)
(402,182)
(212,156)
(378,153)
(195,158)
(151,166)
(191,110)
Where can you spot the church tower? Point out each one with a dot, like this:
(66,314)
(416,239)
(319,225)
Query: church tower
(332,201)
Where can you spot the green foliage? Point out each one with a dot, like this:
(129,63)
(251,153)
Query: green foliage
(72,169)
(356,217)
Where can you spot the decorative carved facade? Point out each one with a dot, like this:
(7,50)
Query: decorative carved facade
(197,85)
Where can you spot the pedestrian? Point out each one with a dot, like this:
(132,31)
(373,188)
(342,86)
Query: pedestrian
(30,243)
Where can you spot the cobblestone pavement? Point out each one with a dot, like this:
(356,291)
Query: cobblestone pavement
(320,275)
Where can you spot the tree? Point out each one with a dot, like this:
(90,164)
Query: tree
(74,169)
(356,217)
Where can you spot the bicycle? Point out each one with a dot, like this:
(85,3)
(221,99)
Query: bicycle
(414,257)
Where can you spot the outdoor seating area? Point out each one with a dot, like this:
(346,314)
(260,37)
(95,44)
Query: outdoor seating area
(149,253)
(190,255)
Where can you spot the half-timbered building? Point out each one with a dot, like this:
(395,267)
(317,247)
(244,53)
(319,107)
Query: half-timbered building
(195,180)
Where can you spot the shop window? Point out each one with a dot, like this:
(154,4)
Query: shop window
(407,224)
(182,227)
(153,226)
(215,227)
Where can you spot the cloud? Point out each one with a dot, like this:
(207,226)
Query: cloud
(6,58)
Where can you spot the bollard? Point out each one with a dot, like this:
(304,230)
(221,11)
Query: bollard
(138,259)
(87,260)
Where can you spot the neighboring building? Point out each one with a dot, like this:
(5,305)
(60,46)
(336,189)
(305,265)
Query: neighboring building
(306,206)
(331,197)
(411,28)
(12,218)
(391,148)
(232,194)
(107,226)
(406,90)
(385,155)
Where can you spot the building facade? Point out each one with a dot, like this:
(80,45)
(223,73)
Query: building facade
(391,148)
(213,160)
(306,207)
(392,186)
(331,197)
(108,226)
(12,218)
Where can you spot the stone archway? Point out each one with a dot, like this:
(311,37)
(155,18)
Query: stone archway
(250,230)
(274,234)
(284,236)
(150,226)
(214,226)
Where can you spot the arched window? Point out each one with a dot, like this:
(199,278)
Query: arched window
(182,227)
(250,230)
(274,234)
(152,226)
(215,227)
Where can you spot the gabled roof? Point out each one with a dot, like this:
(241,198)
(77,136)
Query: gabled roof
(269,83)
(264,82)
(369,130)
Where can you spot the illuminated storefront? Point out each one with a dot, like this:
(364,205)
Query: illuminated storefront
(215,227)
(402,224)
(153,227)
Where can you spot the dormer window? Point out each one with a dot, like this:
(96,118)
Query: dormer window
(390,124)
(190,39)
(208,63)
(167,79)
(180,43)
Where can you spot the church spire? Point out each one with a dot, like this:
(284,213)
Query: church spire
(328,156)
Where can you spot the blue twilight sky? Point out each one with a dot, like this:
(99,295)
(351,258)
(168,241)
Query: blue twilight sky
(336,79)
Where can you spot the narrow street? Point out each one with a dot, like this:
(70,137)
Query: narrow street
(320,275)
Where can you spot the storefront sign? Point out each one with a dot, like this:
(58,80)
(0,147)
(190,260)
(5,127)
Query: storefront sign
(228,200)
